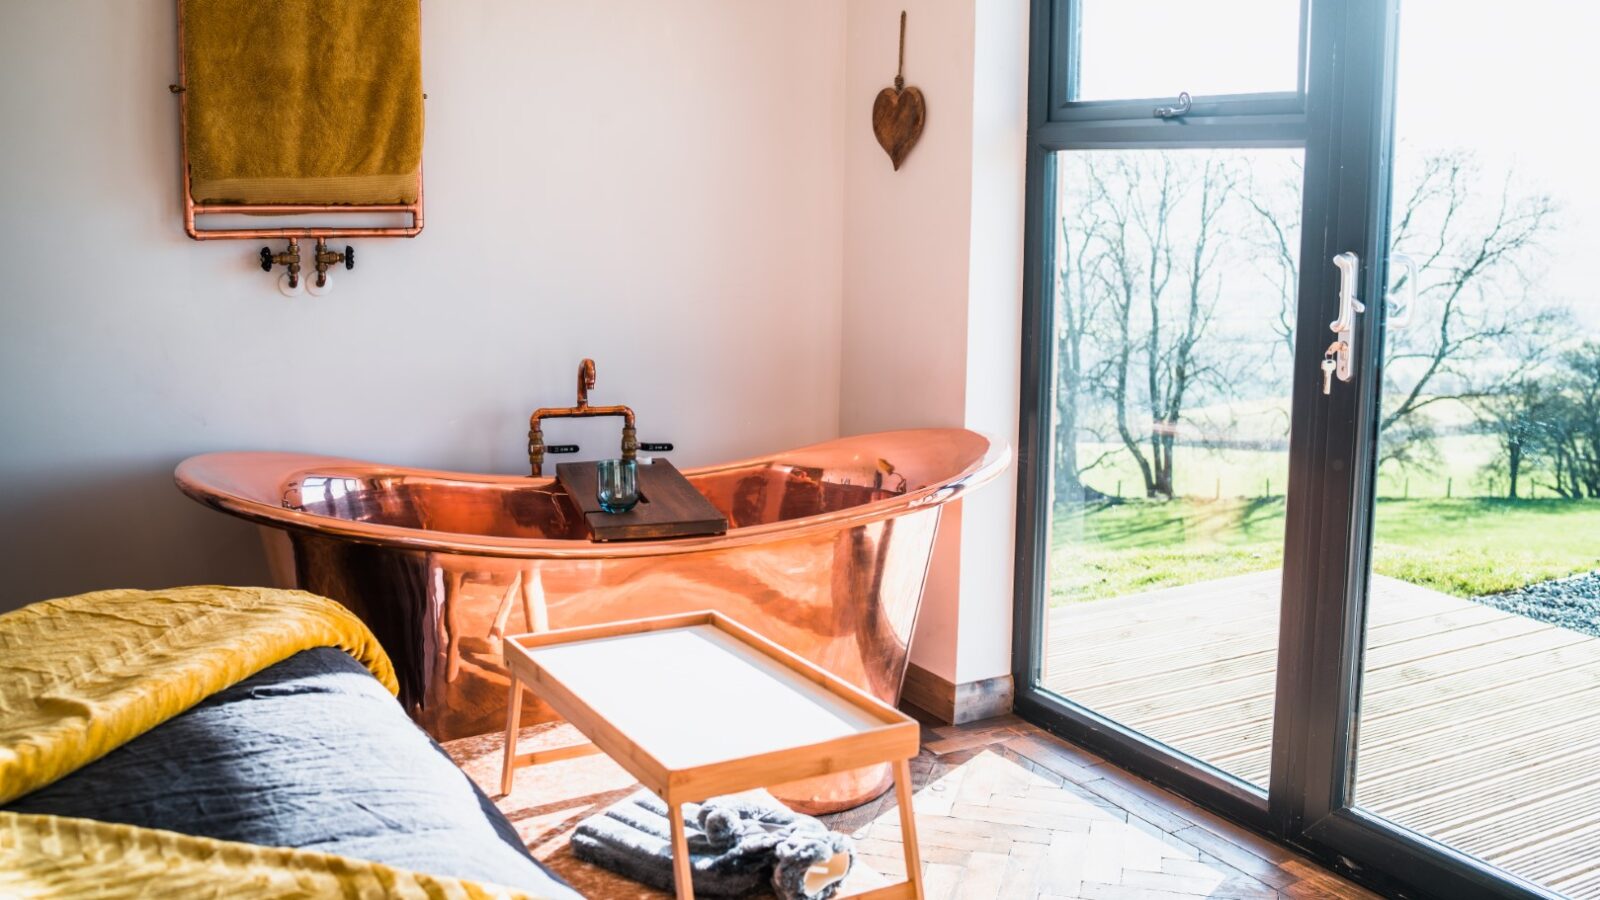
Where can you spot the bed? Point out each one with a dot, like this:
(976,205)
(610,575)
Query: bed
(312,753)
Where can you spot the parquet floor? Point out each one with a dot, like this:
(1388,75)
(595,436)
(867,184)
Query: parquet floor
(1004,810)
(1477,727)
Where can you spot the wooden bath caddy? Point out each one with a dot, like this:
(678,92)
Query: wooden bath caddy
(669,506)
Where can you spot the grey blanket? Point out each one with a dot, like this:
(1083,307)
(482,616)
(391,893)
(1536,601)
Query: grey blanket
(738,845)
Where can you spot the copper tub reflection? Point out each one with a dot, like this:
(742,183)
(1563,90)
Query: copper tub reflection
(826,554)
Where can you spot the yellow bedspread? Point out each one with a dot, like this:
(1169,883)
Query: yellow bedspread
(80,676)
(53,856)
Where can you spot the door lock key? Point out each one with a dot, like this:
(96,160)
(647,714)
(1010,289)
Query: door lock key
(1330,364)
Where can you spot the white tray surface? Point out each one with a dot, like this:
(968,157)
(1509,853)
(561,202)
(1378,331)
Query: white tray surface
(697,695)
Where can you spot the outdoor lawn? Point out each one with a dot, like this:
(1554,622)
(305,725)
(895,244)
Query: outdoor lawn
(1468,547)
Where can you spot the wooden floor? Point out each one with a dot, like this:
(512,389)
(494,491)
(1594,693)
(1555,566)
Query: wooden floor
(1478,728)
(1003,811)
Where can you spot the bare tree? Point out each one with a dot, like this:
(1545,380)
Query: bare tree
(1277,236)
(1572,425)
(1519,417)
(1478,325)
(1174,366)
(1142,238)
(1156,215)
(1078,308)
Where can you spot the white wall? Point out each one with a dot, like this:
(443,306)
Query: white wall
(659,186)
(906,233)
(688,192)
(906,239)
(994,331)
(932,286)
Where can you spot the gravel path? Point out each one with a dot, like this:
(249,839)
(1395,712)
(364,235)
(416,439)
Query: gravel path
(1572,602)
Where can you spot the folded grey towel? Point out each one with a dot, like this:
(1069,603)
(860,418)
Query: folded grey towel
(738,845)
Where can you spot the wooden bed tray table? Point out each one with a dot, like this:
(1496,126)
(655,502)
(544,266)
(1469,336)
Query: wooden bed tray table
(696,706)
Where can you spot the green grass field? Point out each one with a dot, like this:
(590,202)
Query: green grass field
(1461,470)
(1462,546)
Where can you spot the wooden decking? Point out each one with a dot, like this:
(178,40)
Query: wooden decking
(1478,728)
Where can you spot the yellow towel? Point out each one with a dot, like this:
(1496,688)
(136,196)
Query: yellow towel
(303,101)
(80,676)
(56,856)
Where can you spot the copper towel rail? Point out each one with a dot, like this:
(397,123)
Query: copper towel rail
(192,211)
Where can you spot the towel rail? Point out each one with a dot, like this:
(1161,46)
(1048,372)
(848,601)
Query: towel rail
(192,211)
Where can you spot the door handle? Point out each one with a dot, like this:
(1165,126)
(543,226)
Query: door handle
(1349,267)
(1398,315)
(1338,358)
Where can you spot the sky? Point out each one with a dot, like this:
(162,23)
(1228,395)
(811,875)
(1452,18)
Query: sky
(1519,84)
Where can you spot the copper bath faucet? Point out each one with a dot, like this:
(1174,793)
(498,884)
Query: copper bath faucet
(630,438)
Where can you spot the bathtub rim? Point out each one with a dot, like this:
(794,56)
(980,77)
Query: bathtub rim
(192,477)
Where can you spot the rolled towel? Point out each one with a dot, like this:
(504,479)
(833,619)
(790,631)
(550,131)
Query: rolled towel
(808,861)
(811,866)
(738,845)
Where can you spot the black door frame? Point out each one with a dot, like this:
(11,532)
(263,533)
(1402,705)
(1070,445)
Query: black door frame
(1343,117)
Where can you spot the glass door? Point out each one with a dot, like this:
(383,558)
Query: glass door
(1167,184)
(1309,483)
(1175,297)
(1478,727)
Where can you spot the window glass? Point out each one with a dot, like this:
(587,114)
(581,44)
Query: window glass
(1175,297)
(1130,49)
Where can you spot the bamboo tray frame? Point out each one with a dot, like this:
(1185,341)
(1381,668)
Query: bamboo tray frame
(894,741)
(192,210)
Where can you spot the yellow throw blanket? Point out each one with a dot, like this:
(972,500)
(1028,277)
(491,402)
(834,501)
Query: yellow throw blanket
(303,101)
(82,675)
(54,856)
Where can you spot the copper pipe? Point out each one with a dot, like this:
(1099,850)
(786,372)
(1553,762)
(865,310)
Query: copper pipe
(585,381)
(293,208)
(232,234)
(582,410)
(191,209)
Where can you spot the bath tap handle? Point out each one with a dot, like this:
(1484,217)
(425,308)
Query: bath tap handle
(656,448)
(561,448)
(349,257)
(290,259)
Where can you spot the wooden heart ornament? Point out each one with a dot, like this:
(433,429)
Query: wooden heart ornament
(899,112)
(897,118)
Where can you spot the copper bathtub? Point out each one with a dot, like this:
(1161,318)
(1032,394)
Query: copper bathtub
(826,554)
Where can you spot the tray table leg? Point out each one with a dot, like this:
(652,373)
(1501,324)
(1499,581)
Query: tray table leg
(508,768)
(908,826)
(682,870)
